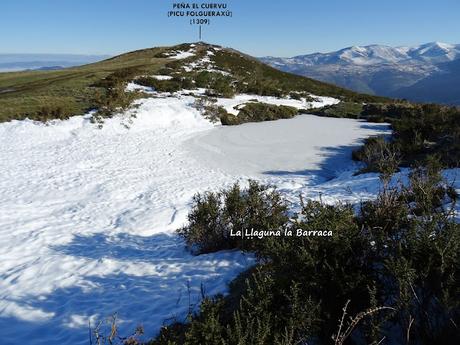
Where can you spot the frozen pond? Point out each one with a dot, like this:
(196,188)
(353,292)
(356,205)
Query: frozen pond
(305,145)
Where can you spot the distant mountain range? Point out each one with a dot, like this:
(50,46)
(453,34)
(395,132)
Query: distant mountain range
(426,73)
(20,62)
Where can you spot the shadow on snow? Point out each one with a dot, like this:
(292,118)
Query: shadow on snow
(169,280)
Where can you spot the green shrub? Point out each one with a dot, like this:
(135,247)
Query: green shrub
(229,120)
(342,109)
(295,95)
(379,155)
(217,84)
(172,85)
(262,87)
(203,79)
(47,113)
(111,101)
(417,251)
(393,264)
(302,95)
(117,78)
(258,111)
(420,130)
(207,106)
(221,86)
(214,216)
(113,97)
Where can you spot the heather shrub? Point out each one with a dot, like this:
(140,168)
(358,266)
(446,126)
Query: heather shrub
(379,155)
(229,119)
(114,99)
(47,113)
(216,215)
(416,244)
(168,85)
(221,86)
(342,109)
(257,111)
(207,106)
(387,271)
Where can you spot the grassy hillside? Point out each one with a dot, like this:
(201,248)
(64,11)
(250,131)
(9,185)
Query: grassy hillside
(28,93)
(43,95)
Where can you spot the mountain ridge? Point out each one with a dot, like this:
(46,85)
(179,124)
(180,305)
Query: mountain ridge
(441,52)
(375,69)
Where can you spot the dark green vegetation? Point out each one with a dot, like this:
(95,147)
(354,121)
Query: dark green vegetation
(172,85)
(257,112)
(350,110)
(379,155)
(418,130)
(256,208)
(394,266)
(44,95)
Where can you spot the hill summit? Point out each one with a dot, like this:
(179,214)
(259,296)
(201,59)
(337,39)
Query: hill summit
(223,72)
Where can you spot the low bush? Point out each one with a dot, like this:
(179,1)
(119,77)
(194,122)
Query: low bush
(172,85)
(379,155)
(47,113)
(221,86)
(113,97)
(117,78)
(215,216)
(342,109)
(258,111)
(390,271)
(229,120)
(262,87)
(420,130)
(217,84)
(112,100)
(302,95)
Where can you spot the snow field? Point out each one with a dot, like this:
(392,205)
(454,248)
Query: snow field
(86,224)
(87,215)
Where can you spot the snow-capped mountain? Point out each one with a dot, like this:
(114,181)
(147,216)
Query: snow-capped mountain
(375,69)
(435,52)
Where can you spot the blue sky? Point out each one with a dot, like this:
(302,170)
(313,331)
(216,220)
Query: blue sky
(280,28)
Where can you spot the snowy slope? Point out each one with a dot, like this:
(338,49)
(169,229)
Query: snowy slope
(87,215)
(86,221)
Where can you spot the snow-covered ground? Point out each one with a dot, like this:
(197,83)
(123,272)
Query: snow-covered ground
(183,55)
(87,219)
(232,105)
(307,146)
(87,215)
